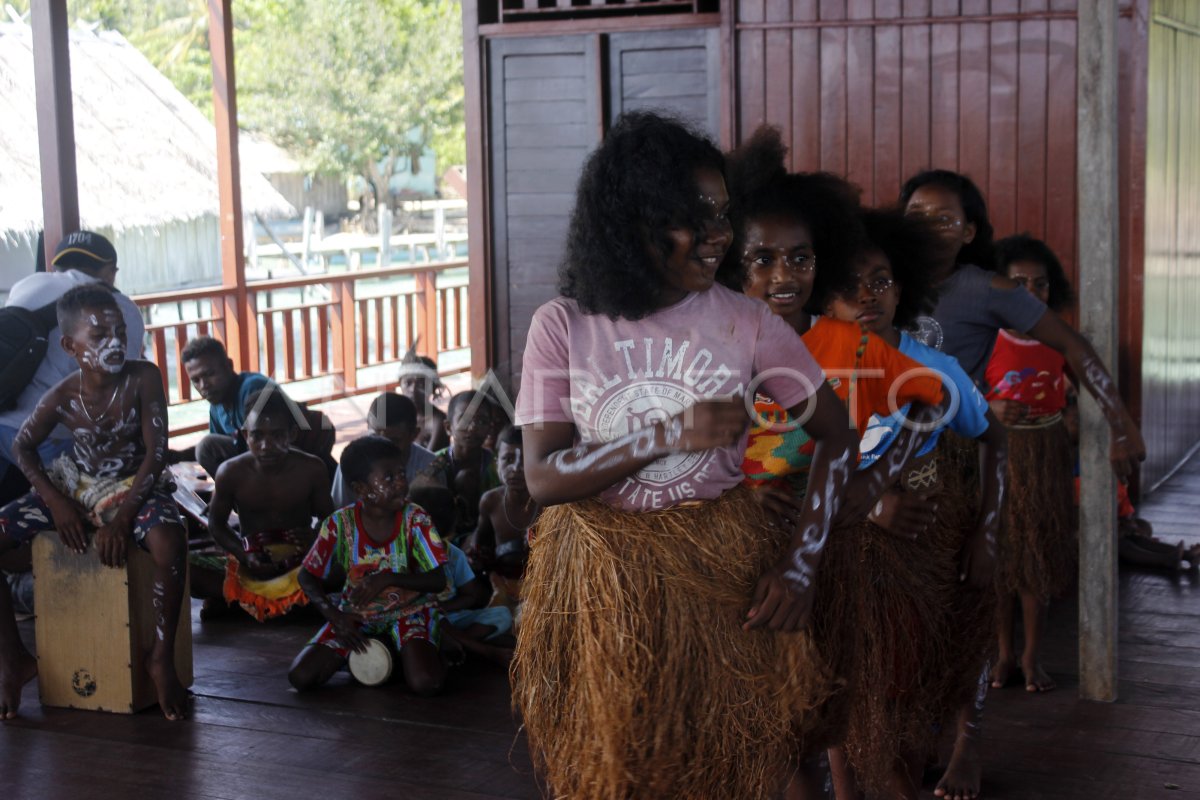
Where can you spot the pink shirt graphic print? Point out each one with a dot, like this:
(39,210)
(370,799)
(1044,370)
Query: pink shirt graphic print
(613,377)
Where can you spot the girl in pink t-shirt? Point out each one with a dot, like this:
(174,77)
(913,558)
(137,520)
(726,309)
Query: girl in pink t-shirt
(658,655)
(1039,551)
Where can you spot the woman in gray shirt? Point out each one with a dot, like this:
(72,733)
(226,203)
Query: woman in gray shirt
(974,304)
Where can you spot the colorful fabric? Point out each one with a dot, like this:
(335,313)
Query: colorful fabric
(863,370)
(612,377)
(424,624)
(414,546)
(1029,372)
(28,515)
(968,416)
(266,598)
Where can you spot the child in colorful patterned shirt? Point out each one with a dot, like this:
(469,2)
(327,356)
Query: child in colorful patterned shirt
(392,562)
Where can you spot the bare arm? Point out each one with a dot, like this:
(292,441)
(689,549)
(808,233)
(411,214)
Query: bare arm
(469,595)
(558,471)
(219,510)
(979,551)
(866,486)
(1128,448)
(344,623)
(485,532)
(66,513)
(783,596)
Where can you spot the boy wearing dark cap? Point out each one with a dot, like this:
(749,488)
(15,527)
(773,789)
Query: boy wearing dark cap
(81,257)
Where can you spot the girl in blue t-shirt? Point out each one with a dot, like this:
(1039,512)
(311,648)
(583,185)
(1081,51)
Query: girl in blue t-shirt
(907,600)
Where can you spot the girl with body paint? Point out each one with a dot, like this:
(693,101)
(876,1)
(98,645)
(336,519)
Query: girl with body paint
(934,654)
(795,237)
(657,655)
(1028,391)
(110,482)
(974,305)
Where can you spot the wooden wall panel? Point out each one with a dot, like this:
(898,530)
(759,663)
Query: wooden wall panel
(550,98)
(1171,347)
(544,117)
(883,88)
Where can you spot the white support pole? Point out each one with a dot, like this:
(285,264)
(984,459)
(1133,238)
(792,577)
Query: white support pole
(1096,158)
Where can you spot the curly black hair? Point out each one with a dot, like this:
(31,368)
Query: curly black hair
(636,186)
(760,186)
(203,346)
(361,455)
(979,250)
(1024,247)
(909,245)
(70,307)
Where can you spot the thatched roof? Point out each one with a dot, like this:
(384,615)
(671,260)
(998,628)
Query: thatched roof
(144,154)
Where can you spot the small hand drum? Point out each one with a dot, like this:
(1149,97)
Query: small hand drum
(373,667)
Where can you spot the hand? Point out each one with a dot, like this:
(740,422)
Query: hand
(369,588)
(69,522)
(904,514)
(706,425)
(111,542)
(977,565)
(1127,450)
(781,602)
(1009,412)
(347,625)
(782,507)
(259,565)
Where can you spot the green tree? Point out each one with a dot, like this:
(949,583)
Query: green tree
(345,82)
(339,83)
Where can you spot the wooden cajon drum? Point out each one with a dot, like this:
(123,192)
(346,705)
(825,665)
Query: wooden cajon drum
(94,626)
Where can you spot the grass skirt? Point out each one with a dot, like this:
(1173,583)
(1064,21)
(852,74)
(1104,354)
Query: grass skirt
(883,621)
(1039,553)
(632,672)
(972,620)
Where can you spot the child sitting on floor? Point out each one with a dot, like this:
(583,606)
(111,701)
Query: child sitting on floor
(391,562)
(471,629)
(500,546)
(110,481)
(394,417)
(419,382)
(466,467)
(276,490)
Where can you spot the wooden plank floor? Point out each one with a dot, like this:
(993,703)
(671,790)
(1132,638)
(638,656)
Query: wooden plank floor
(252,737)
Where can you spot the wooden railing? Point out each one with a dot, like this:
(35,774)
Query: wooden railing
(321,326)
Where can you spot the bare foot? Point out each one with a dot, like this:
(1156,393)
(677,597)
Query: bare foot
(13,677)
(1002,673)
(1036,679)
(172,697)
(963,775)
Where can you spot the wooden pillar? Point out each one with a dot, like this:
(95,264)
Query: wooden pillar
(479,250)
(55,121)
(241,327)
(1099,224)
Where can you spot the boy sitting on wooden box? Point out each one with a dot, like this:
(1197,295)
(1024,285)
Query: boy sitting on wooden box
(111,480)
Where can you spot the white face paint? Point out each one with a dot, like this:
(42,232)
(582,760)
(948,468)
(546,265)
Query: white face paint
(107,352)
